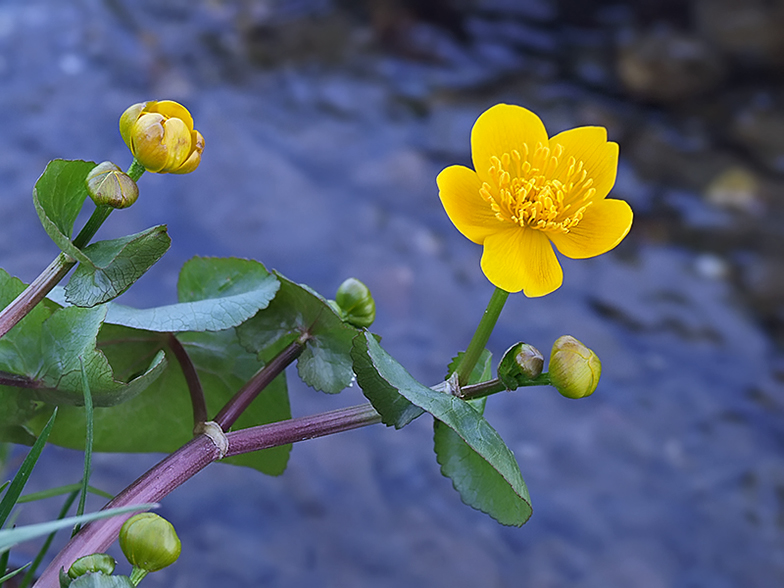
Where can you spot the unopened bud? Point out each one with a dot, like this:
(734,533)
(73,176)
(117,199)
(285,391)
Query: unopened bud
(161,136)
(521,364)
(574,369)
(149,542)
(108,185)
(356,303)
(90,564)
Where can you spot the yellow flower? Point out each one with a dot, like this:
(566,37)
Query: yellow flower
(529,191)
(161,137)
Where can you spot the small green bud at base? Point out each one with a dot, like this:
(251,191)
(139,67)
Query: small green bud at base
(149,542)
(521,364)
(96,562)
(574,368)
(108,185)
(356,303)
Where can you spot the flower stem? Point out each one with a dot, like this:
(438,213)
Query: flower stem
(195,388)
(481,335)
(242,399)
(190,459)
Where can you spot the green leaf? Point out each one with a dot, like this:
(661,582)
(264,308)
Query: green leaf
(490,479)
(160,419)
(99,580)
(23,473)
(11,537)
(298,311)
(58,196)
(115,266)
(59,491)
(235,297)
(10,575)
(42,352)
(71,333)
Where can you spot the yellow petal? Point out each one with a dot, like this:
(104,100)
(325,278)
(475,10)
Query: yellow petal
(171,109)
(194,159)
(604,225)
(147,136)
(500,130)
(128,119)
(459,191)
(177,139)
(589,145)
(521,259)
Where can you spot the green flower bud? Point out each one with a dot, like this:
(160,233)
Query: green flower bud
(149,542)
(108,185)
(574,369)
(521,364)
(90,564)
(356,303)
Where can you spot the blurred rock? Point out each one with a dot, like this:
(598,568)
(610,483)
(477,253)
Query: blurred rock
(750,30)
(759,127)
(664,66)
(736,188)
(677,154)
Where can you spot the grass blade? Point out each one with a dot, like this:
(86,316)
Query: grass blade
(21,477)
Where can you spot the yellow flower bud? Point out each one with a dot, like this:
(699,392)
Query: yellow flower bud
(107,184)
(356,303)
(574,369)
(161,137)
(149,542)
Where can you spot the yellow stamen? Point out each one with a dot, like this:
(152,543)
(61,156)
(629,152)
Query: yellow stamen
(522,189)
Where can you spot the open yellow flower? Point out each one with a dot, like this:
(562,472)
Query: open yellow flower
(529,191)
(161,137)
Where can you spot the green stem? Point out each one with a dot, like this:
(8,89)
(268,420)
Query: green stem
(481,335)
(135,170)
(137,575)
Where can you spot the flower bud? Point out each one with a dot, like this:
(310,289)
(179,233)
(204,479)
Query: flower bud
(356,303)
(108,185)
(90,564)
(521,364)
(149,542)
(161,137)
(574,369)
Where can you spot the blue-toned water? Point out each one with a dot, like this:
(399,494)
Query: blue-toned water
(325,127)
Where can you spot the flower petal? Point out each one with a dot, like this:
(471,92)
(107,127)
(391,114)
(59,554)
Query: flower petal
(604,225)
(589,145)
(171,109)
(459,191)
(501,129)
(521,259)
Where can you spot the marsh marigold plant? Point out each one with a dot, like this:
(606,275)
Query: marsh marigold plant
(528,192)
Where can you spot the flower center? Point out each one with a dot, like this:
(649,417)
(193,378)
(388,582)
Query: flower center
(525,192)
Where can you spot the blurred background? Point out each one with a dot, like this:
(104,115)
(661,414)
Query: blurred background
(326,122)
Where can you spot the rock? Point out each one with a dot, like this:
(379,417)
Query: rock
(665,66)
(749,30)
(759,127)
(736,188)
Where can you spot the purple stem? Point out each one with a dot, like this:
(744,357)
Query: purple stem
(190,459)
(242,399)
